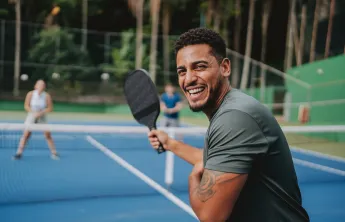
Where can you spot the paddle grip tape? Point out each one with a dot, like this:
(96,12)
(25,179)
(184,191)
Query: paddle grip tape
(160,148)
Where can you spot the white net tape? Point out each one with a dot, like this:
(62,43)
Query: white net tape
(142,129)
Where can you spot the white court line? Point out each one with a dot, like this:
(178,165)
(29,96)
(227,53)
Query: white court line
(319,167)
(142,176)
(318,154)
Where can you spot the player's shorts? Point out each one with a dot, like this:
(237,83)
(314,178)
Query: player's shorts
(31,119)
(169,122)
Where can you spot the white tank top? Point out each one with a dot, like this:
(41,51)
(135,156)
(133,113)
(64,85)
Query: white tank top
(38,101)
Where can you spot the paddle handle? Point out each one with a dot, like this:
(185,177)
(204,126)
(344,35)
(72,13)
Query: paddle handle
(160,148)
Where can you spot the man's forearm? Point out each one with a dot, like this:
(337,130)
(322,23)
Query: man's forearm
(190,154)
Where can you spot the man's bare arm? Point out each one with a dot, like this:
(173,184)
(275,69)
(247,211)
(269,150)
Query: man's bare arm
(189,153)
(214,195)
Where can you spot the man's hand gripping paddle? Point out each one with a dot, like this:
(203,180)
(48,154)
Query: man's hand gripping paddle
(142,98)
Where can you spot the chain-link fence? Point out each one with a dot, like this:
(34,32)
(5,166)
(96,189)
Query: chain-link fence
(59,50)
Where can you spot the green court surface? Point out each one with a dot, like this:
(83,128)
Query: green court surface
(301,141)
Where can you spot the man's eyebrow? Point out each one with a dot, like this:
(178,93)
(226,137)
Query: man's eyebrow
(194,63)
(181,67)
(200,61)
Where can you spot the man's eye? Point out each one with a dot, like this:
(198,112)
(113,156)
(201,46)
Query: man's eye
(181,72)
(201,67)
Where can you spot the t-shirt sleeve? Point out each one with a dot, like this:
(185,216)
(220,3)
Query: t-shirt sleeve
(177,97)
(234,142)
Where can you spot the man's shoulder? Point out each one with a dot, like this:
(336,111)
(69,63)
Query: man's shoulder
(239,102)
(240,106)
(232,116)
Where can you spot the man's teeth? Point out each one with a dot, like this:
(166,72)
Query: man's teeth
(193,91)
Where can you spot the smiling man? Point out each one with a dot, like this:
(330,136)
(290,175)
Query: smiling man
(245,171)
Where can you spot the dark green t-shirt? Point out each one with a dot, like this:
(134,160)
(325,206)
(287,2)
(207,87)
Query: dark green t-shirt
(244,137)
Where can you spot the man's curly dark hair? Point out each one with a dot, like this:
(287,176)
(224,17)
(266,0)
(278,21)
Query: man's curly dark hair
(203,36)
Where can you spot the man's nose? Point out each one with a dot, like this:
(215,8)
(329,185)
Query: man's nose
(190,77)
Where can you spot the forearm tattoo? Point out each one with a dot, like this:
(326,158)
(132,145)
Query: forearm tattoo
(205,189)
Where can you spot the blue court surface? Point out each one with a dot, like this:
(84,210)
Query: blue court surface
(107,177)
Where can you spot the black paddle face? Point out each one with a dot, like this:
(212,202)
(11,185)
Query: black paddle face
(142,97)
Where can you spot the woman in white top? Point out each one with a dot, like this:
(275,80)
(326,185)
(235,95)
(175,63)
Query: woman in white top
(37,103)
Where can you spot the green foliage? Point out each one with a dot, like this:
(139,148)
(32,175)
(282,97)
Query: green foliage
(123,57)
(56,46)
(3,12)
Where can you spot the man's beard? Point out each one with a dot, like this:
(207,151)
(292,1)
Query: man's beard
(211,100)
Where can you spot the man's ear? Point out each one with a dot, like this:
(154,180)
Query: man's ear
(225,67)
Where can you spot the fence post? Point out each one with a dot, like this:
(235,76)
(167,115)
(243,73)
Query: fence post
(169,163)
(107,47)
(2,49)
(262,83)
(17,49)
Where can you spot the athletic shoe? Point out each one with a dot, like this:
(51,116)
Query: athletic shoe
(17,156)
(55,156)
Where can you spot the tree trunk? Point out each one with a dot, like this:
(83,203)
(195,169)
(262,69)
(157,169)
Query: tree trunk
(84,25)
(236,67)
(295,35)
(301,34)
(155,6)
(139,34)
(225,32)
(329,31)
(166,44)
(210,12)
(314,34)
(291,28)
(217,16)
(17,48)
(264,26)
(245,73)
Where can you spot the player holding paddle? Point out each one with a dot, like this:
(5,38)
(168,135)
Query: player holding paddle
(245,171)
(37,103)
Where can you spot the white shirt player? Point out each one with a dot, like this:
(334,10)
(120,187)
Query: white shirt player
(38,101)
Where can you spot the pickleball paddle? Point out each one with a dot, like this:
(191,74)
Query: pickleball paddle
(142,97)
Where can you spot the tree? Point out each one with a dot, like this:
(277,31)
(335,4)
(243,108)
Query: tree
(290,35)
(154,9)
(329,31)
(168,6)
(123,57)
(218,11)
(137,8)
(237,46)
(17,46)
(314,34)
(302,33)
(245,73)
(68,60)
(267,5)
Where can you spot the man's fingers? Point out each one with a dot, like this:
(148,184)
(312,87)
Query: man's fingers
(155,145)
(153,139)
(152,133)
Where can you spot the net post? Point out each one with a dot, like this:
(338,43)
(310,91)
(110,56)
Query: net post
(169,162)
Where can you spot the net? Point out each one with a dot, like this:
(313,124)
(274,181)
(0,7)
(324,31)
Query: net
(90,167)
